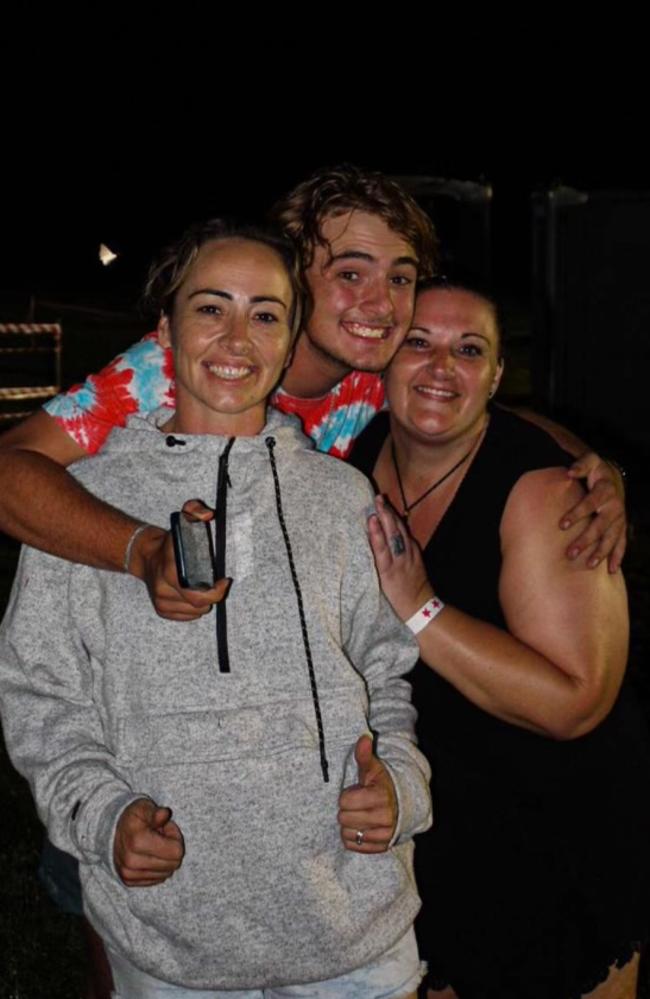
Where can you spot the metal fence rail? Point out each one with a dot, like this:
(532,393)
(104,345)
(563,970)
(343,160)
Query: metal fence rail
(28,339)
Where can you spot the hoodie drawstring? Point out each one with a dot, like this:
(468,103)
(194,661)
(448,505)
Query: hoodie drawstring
(223,481)
(270,443)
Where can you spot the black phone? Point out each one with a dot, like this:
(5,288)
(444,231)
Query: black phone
(194,552)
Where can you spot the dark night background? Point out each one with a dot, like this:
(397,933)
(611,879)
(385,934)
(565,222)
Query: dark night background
(132,181)
(58,207)
(74,177)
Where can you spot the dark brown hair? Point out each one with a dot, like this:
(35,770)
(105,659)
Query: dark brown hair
(170,268)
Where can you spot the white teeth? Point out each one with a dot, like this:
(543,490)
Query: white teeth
(367,332)
(436,393)
(230,373)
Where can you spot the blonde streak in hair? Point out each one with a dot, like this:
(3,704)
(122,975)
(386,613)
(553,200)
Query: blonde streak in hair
(181,270)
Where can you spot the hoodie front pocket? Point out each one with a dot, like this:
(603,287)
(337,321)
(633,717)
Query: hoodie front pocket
(188,737)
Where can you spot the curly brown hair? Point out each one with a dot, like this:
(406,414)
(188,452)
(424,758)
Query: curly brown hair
(336,190)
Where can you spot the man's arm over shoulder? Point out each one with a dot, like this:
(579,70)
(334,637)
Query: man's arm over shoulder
(603,508)
(42,505)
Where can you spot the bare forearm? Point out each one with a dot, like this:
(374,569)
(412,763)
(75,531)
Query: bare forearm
(45,507)
(502,675)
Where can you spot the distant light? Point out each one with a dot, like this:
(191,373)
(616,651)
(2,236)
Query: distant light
(106,255)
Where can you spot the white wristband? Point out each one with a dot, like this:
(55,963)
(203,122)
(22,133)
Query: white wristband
(425,614)
(129,548)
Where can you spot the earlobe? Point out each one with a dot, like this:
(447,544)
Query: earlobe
(496,380)
(287,363)
(164,333)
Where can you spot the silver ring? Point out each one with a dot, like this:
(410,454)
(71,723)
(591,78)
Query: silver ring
(359,838)
(397,544)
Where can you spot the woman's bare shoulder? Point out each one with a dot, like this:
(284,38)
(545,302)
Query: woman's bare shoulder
(537,496)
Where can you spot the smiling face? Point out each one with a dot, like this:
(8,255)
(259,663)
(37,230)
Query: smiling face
(363,286)
(442,376)
(230,336)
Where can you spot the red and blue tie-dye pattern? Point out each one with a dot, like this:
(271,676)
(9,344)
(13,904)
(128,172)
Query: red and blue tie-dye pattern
(137,381)
(142,379)
(334,421)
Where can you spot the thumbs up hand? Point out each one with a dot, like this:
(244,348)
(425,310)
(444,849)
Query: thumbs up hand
(368,809)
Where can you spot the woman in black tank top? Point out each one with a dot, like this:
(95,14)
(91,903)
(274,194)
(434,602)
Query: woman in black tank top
(534,878)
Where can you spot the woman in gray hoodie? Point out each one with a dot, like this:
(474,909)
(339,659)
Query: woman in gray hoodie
(236,826)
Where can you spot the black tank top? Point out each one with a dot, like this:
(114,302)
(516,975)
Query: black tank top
(463,560)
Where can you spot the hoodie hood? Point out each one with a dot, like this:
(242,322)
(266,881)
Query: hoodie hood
(285,428)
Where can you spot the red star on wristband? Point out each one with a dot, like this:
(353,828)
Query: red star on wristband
(434,604)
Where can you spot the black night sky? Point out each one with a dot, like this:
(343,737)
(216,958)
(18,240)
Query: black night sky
(85,164)
(131,174)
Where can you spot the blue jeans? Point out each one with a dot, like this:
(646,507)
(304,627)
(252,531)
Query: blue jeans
(393,975)
(59,874)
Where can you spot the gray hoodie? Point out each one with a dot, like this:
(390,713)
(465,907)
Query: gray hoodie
(104,702)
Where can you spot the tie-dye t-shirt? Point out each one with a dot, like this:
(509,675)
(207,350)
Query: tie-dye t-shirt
(142,379)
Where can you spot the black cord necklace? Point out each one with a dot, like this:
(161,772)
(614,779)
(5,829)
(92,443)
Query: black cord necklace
(409,506)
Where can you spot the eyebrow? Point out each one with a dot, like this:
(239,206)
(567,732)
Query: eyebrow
(482,336)
(226,294)
(360,255)
(425,329)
